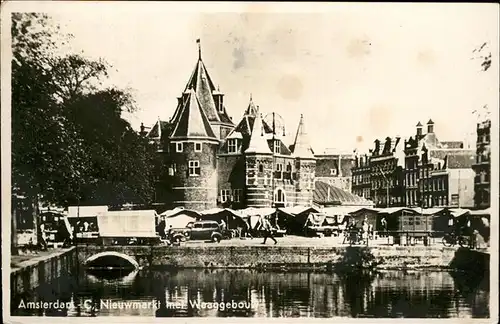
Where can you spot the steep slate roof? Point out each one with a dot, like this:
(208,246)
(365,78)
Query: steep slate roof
(302,146)
(246,126)
(460,161)
(252,110)
(442,153)
(336,195)
(258,142)
(202,83)
(192,121)
(164,129)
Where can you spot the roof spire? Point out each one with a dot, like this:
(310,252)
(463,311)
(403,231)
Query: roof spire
(258,141)
(192,121)
(199,48)
(302,147)
(159,127)
(251,109)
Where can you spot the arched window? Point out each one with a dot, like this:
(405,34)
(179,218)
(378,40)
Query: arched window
(261,168)
(279,196)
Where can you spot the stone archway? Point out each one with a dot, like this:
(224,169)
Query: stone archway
(105,256)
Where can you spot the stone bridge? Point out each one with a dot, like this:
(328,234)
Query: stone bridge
(219,256)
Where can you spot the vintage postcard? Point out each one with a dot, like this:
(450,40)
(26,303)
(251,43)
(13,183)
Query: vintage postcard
(249,161)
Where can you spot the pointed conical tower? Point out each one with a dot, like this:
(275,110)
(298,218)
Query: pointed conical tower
(258,166)
(211,98)
(305,164)
(193,147)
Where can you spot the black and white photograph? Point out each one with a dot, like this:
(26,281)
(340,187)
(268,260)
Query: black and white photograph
(249,160)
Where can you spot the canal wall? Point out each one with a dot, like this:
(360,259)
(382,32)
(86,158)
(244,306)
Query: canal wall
(30,274)
(212,256)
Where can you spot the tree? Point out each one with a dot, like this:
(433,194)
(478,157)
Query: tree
(70,143)
(121,160)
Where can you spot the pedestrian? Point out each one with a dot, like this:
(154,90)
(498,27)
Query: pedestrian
(383,222)
(364,228)
(42,243)
(161,228)
(370,231)
(86,226)
(222,225)
(268,231)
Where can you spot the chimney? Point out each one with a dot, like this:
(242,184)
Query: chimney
(419,129)
(430,126)
(328,194)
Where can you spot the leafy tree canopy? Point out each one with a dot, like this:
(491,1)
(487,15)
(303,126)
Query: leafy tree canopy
(70,143)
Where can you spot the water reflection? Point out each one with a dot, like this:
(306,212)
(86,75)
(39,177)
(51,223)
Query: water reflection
(248,293)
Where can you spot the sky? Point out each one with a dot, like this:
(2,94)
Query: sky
(356,72)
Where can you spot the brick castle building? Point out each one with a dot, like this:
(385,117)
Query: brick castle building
(204,160)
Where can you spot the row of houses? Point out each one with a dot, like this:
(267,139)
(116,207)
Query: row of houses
(422,171)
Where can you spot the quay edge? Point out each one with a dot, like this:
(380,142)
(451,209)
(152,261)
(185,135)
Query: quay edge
(295,257)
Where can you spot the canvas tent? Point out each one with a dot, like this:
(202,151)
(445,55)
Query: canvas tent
(179,217)
(252,215)
(294,219)
(232,218)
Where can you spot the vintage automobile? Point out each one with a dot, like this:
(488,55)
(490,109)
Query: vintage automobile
(200,230)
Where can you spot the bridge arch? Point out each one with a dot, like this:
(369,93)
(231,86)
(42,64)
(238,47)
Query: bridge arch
(111,255)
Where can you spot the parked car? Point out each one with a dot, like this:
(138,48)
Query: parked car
(177,235)
(204,230)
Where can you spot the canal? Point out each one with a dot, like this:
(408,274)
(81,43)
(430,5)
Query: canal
(252,293)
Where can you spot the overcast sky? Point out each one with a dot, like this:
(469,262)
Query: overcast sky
(356,72)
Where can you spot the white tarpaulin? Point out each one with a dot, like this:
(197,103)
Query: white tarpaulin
(316,219)
(86,211)
(258,211)
(179,221)
(127,223)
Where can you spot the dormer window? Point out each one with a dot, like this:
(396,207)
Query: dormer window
(232,145)
(277,147)
(179,147)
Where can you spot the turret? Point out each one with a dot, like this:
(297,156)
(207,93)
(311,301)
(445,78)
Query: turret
(258,167)
(305,165)
(193,147)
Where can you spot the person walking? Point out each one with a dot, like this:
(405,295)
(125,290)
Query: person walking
(364,233)
(383,222)
(222,225)
(268,231)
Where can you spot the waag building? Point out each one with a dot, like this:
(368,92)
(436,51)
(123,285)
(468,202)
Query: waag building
(205,160)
